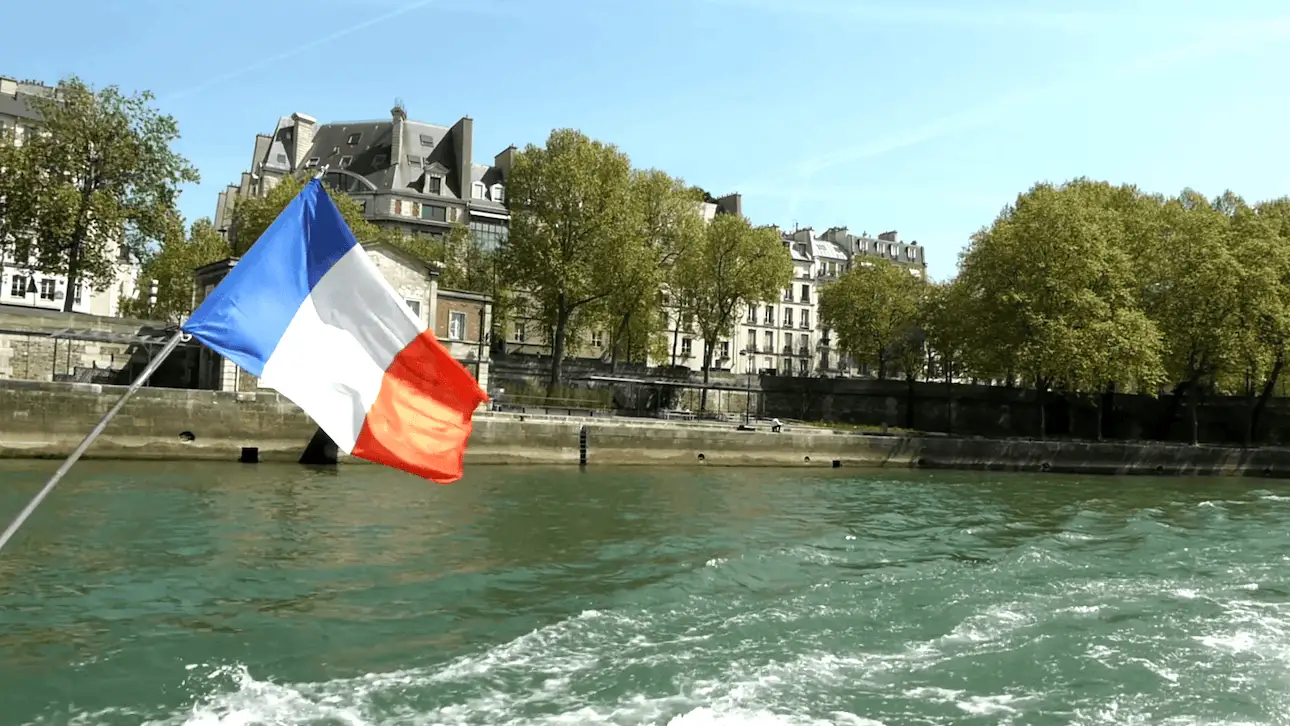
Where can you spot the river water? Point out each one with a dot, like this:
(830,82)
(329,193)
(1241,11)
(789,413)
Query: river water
(205,595)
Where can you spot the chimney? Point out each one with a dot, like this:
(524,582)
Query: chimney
(732,204)
(303,139)
(888,236)
(463,140)
(398,115)
(504,161)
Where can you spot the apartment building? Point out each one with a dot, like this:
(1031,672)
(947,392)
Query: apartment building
(418,177)
(21,282)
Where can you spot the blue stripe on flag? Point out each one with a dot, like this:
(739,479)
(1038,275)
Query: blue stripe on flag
(246,315)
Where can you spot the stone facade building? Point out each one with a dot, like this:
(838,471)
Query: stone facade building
(417,177)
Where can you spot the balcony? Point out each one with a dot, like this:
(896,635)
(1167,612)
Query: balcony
(788,323)
(805,325)
(788,297)
(788,350)
(804,351)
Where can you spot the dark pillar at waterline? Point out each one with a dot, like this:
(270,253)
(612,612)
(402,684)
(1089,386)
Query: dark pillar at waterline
(321,451)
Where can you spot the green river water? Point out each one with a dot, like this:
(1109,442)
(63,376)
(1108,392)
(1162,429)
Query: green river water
(219,595)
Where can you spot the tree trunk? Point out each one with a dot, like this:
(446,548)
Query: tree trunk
(708,346)
(882,366)
(1040,400)
(949,398)
(1193,397)
(676,336)
(1269,386)
(909,401)
(557,345)
(618,337)
(74,273)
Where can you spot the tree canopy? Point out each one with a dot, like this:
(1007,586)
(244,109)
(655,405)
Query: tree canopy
(98,182)
(873,309)
(172,266)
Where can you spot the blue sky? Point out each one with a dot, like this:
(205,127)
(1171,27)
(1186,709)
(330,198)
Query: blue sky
(923,116)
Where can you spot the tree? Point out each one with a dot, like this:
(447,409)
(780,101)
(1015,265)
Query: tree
(1049,283)
(570,205)
(172,266)
(1270,316)
(17,195)
(664,223)
(1193,294)
(942,316)
(253,215)
(106,181)
(732,266)
(873,309)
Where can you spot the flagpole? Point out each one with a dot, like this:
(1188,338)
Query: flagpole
(151,368)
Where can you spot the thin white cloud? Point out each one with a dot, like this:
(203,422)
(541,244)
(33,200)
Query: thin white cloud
(960,14)
(1218,41)
(471,6)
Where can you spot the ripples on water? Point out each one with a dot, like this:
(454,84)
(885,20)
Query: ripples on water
(217,596)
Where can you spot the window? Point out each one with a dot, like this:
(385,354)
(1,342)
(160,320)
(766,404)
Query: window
(803,365)
(398,206)
(769,319)
(770,341)
(752,314)
(434,213)
(806,341)
(282,158)
(806,319)
(353,139)
(427,140)
(519,332)
(477,190)
(18,288)
(788,317)
(434,185)
(489,235)
(725,349)
(47,288)
(415,307)
(597,338)
(499,194)
(345,161)
(806,293)
(687,347)
(312,162)
(752,341)
(76,296)
(415,161)
(456,325)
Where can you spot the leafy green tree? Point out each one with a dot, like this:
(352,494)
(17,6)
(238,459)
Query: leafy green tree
(1049,283)
(873,309)
(734,265)
(172,266)
(1194,284)
(570,205)
(253,215)
(1270,316)
(17,195)
(106,181)
(665,222)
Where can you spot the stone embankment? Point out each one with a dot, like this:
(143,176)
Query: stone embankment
(48,420)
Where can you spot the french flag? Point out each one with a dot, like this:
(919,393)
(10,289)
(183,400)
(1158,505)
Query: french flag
(307,311)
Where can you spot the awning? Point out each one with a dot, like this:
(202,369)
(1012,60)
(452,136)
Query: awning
(490,215)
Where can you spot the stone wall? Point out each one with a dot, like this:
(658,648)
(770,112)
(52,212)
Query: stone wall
(1000,412)
(45,345)
(47,420)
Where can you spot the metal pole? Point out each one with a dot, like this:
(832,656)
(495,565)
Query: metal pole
(153,365)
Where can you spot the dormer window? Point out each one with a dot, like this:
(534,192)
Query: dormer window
(427,141)
(434,185)
(345,161)
(415,161)
(282,158)
(354,139)
(313,162)
(499,194)
(477,190)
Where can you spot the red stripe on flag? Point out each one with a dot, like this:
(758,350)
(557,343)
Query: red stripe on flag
(422,416)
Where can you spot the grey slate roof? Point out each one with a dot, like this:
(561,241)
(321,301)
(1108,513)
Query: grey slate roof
(424,145)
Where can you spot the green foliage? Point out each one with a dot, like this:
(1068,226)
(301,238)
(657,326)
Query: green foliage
(172,267)
(571,213)
(100,180)
(873,309)
(732,266)
(1052,295)
(17,194)
(253,215)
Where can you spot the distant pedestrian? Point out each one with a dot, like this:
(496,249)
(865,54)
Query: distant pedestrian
(776,426)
